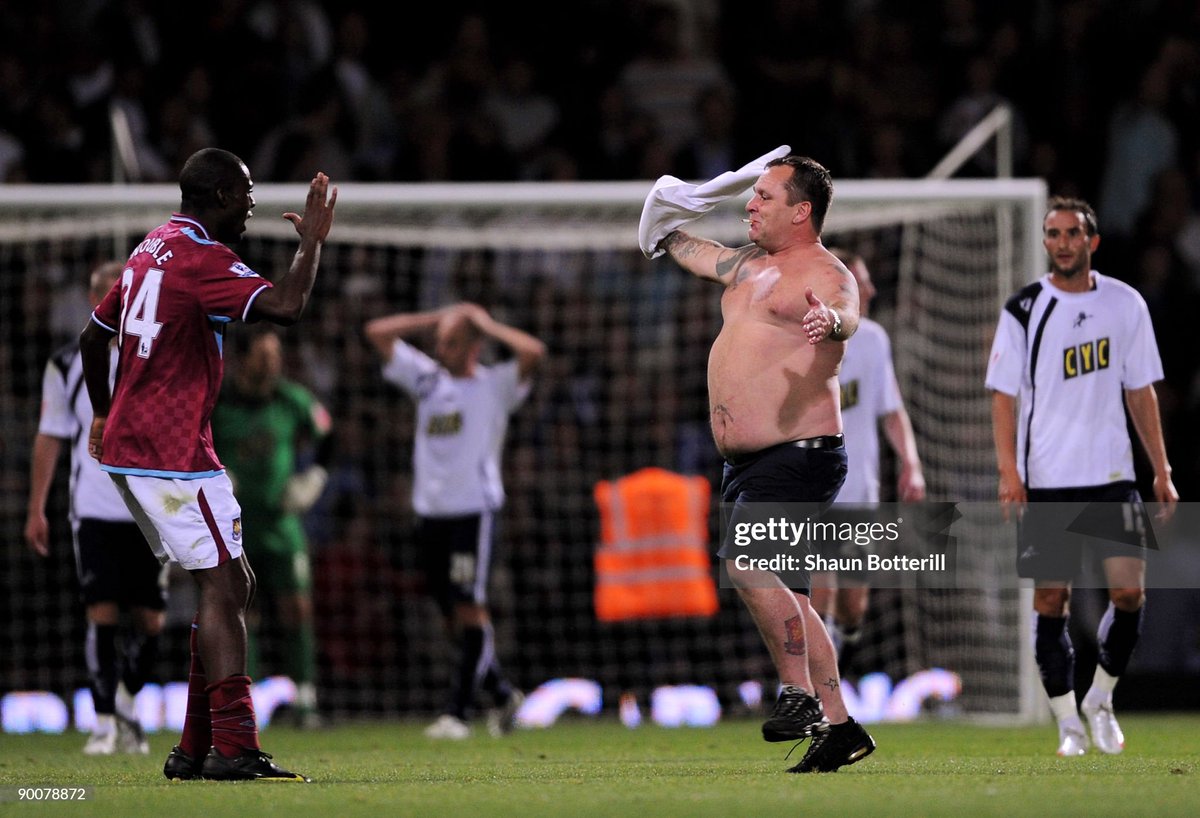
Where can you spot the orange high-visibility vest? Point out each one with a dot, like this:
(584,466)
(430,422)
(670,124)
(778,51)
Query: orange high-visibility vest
(653,557)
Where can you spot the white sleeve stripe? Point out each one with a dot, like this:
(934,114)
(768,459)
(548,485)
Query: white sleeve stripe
(102,324)
(250,300)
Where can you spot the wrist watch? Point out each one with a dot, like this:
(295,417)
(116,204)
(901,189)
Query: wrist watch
(836,329)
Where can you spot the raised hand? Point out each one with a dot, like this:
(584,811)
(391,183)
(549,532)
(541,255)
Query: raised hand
(818,321)
(318,210)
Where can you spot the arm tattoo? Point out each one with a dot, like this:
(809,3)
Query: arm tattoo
(831,683)
(680,244)
(726,266)
(795,644)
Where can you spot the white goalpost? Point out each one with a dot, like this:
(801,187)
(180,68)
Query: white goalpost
(624,388)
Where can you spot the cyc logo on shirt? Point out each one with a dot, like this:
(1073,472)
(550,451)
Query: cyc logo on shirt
(1085,358)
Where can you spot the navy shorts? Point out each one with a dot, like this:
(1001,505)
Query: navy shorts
(456,555)
(783,475)
(115,564)
(1060,526)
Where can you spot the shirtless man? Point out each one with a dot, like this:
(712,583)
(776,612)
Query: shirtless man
(788,307)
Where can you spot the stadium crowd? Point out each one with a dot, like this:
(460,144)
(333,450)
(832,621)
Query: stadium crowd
(1105,93)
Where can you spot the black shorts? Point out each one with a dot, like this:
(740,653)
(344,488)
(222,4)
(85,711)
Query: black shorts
(115,564)
(456,555)
(780,476)
(1060,526)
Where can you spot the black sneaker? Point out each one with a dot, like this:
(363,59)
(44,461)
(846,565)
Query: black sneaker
(180,766)
(252,765)
(843,745)
(797,715)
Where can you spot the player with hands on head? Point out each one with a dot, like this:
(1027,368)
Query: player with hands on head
(788,306)
(463,409)
(116,569)
(1082,344)
(180,287)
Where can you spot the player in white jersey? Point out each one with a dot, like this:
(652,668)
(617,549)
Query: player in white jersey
(116,569)
(870,397)
(462,416)
(1072,351)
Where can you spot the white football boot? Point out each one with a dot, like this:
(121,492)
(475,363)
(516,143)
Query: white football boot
(1106,733)
(103,740)
(448,727)
(1072,740)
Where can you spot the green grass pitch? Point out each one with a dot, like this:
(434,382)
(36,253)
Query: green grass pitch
(599,768)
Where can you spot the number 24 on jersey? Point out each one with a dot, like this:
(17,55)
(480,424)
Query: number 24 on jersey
(138,313)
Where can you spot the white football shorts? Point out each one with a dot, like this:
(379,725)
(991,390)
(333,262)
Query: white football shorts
(196,523)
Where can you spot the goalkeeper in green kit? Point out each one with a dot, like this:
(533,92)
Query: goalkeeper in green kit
(262,425)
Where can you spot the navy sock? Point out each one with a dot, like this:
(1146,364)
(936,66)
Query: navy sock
(1118,636)
(101,654)
(1055,654)
(493,680)
(462,699)
(141,655)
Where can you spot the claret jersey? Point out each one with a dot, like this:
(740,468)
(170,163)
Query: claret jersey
(169,310)
(1068,357)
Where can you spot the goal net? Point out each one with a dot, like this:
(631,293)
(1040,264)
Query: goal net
(623,389)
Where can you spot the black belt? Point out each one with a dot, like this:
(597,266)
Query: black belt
(822,442)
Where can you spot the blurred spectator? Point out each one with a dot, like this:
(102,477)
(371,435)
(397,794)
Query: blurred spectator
(901,85)
(961,36)
(713,150)
(664,80)
(525,115)
(774,68)
(980,98)
(1187,239)
(301,32)
(888,156)
(134,29)
(315,138)
(12,159)
(619,142)
(59,153)
(463,141)
(1142,142)
(363,96)
(183,120)
(143,163)
(459,77)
